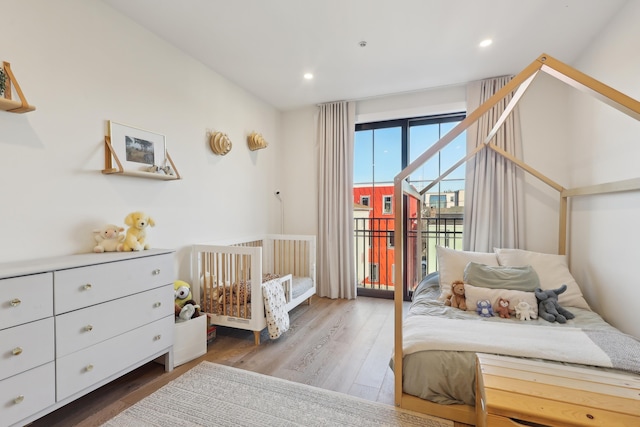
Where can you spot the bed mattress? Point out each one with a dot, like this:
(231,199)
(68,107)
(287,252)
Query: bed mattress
(448,377)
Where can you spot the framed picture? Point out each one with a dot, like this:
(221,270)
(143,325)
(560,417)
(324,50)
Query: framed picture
(138,149)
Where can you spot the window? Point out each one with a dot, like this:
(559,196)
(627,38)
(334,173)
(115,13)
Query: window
(437,201)
(381,151)
(373,273)
(387,207)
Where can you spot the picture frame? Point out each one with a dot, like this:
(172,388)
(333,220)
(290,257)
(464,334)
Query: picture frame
(138,150)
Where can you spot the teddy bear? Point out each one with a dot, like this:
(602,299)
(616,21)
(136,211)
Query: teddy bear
(524,311)
(457,298)
(135,239)
(548,307)
(502,308)
(483,308)
(109,238)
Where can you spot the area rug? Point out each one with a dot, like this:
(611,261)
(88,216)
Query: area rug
(216,395)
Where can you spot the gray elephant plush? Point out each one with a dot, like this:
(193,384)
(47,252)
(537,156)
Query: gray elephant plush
(548,307)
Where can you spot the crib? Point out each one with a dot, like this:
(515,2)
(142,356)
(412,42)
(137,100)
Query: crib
(230,275)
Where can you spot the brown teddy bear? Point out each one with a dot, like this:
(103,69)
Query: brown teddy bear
(457,299)
(502,308)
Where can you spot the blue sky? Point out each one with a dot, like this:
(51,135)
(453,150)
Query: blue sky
(384,146)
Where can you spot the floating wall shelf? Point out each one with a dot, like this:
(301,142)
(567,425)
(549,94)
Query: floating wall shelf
(109,169)
(8,104)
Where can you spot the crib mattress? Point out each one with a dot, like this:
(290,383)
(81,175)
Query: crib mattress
(300,285)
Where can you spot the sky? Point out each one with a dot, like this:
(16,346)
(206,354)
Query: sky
(377,156)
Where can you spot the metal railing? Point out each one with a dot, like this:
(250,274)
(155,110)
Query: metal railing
(375,246)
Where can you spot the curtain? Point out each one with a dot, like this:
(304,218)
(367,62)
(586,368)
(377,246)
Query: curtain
(494,204)
(335,272)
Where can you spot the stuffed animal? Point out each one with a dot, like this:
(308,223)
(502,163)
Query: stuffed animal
(108,238)
(524,311)
(190,310)
(548,307)
(457,298)
(502,308)
(483,308)
(135,239)
(182,294)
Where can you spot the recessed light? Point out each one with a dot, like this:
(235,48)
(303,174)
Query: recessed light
(308,76)
(486,42)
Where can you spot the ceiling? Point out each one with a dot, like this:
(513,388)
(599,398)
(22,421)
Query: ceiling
(265,46)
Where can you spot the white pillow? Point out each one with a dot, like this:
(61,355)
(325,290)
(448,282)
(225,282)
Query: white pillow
(451,264)
(552,271)
(473,294)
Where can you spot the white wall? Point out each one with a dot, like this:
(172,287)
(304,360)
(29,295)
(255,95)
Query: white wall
(604,229)
(81,64)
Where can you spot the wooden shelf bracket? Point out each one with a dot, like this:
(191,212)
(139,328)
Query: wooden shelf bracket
(6,102)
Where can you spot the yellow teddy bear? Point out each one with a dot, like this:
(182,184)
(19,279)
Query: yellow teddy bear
(135,238)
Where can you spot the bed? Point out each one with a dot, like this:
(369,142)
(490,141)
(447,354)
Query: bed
(231,275)
(435,345)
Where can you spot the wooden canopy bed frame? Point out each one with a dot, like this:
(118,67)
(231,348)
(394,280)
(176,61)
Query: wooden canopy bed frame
(466,413)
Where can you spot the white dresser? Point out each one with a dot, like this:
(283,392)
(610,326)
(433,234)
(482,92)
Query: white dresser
(69,325)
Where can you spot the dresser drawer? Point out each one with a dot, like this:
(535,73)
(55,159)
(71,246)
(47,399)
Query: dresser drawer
(26,346)
(84,368)
(83,328)
(25,299)
(25,394)
(84,286)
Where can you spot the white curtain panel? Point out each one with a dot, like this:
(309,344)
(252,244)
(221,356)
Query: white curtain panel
(494,203)
(336,264)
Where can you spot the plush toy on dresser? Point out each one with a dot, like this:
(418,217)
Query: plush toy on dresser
(135,239)
(108,238)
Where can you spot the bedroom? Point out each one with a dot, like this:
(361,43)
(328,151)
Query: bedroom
(56,152)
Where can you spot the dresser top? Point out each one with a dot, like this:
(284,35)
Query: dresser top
(42,265)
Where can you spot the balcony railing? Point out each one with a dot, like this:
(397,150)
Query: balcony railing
(375,246)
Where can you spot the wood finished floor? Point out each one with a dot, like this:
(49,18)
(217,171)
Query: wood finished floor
(340,345)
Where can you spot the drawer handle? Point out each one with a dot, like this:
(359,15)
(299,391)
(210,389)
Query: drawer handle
(88,328)
(87,286)
(156,272)
(157,337)
(89,368)
(18,399)
(157,304)
(17,351)
(15,302)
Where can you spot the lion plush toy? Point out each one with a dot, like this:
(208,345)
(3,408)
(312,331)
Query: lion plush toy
(457,298)
(135,239)
(548,307)
(108,238)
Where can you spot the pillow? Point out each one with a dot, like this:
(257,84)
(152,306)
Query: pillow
(501,277)
(552,271)
(451,264)
(474,294)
